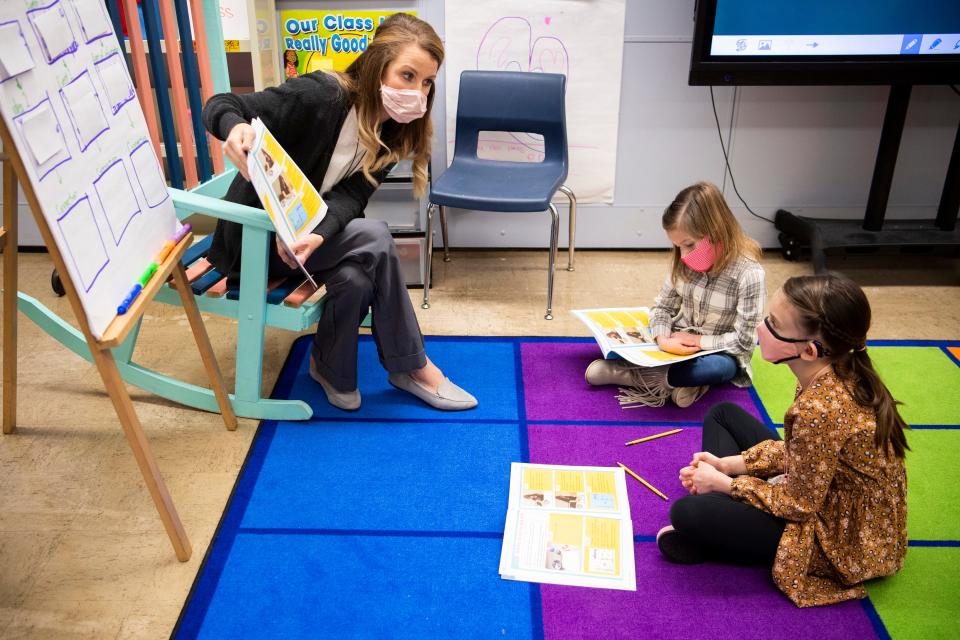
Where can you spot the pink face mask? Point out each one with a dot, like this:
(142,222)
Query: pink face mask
(702,257)
(403,105)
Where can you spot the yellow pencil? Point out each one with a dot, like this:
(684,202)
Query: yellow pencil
(642,481)
(653,437)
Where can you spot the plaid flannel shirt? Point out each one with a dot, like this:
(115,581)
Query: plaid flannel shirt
(723,308)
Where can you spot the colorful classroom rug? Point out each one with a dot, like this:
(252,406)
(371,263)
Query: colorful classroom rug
(387,522)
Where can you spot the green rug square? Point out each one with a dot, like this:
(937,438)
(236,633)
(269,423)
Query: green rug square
(925,379)
(933,485)
(920,602)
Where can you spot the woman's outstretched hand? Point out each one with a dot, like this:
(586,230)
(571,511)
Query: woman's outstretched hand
(302,249)
(238,145)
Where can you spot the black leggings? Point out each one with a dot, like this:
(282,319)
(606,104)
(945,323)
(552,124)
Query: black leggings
(729,530)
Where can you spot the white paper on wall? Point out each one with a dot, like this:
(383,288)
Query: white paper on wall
(90,163)
(582,39)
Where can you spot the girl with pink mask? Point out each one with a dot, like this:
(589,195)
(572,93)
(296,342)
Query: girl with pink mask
(346,131)
(825,507)
(712,299)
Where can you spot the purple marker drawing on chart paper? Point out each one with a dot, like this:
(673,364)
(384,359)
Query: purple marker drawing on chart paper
(23,39)
(89,19)
(80,89)
(43,169)
(509,45)
(53,30)
(113,68)
(113,186)
(146,170)
(74,225)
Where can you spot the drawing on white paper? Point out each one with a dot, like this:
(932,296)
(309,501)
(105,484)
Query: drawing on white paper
(509,45)
(576,39)
(150,179)
(76,150)
(40,129)
(94,23)
(15,57)
(117,199)
(81,234)
(53,31)
(82,102)
(115,80)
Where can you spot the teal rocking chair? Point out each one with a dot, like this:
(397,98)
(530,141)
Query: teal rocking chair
(256,305)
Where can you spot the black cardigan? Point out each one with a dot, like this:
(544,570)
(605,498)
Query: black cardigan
(305,114)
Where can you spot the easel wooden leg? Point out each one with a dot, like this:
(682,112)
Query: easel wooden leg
(9,240)
(203,344)
(133,430)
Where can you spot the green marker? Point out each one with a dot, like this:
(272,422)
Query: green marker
(145,278)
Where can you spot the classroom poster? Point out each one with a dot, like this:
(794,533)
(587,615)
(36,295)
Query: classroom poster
(68,102)
(568,525)
(325,40)
(582,39)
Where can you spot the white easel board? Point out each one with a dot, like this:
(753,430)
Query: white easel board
(68,101)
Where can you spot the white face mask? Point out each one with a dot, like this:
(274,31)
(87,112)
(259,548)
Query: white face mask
(403,105)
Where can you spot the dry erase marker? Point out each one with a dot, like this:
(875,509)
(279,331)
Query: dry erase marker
(165,251)
(145,278)
(184,230)
(128,301)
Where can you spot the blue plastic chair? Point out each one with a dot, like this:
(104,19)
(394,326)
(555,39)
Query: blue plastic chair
(509,101)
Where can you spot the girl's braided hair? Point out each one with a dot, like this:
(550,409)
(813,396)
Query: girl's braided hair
(835,308)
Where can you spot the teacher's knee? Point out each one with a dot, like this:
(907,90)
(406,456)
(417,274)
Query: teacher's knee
(375,233)
(350,280)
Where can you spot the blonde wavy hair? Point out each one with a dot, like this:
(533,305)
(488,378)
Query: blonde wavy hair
(701,211)
(362,79)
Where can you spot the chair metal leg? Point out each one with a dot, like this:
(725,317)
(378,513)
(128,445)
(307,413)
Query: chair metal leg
(554,240)
(426,275)
(443,232)
(573,225)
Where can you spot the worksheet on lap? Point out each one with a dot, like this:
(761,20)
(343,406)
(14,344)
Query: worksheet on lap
(68,102)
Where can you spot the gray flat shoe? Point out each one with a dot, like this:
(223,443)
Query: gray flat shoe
(449,397)
(346,400)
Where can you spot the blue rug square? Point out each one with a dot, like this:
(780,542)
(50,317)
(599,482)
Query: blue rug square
(330,586)
(486,367)
(425,476)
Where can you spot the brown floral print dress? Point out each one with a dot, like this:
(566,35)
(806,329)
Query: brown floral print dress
(844,500)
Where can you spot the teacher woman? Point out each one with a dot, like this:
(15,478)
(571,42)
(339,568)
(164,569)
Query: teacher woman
(346,131)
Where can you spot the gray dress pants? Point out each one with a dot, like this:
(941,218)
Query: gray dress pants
(361,270)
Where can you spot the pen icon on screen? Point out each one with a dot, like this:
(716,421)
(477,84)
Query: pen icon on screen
(935,44)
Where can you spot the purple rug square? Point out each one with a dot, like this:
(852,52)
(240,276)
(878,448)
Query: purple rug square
(694,601)
(554,389)
(656,461)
